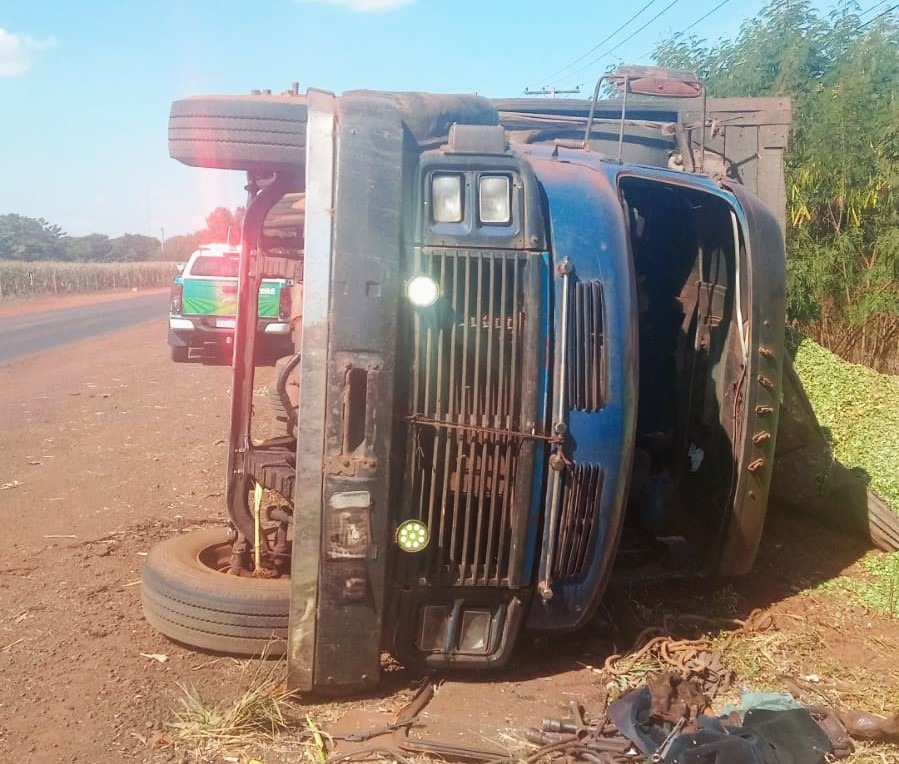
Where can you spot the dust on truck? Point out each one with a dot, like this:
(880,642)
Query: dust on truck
(541,349)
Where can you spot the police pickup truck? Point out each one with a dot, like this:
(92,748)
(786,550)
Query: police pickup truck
(204,303)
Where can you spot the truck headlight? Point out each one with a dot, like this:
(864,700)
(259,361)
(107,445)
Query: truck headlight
(494,199)
(422,291)
(446,198)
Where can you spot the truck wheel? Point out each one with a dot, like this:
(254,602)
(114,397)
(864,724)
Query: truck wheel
(187,596)
(179,354)
(257,133)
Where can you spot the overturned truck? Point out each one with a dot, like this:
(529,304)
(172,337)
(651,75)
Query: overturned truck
(538,347)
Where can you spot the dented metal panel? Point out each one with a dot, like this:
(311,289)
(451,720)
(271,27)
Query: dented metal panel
(308,491)
(359,403)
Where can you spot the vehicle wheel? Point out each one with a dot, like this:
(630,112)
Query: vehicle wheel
(179,354)
(187,596)
(257,133)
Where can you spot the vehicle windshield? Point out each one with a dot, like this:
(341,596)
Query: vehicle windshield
(222,266)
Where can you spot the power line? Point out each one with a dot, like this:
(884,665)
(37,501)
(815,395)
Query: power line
(705,16)
(628,22)
(870,8)
(698,21)
(626,39)
(685,29)
(878,16)
(601,42)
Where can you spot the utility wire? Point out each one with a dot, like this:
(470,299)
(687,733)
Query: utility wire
(698,21)
(601,42)
(872,7)
(878,16)
(704,16)
(626,39)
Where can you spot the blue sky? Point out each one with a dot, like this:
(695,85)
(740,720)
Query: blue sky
(86,87)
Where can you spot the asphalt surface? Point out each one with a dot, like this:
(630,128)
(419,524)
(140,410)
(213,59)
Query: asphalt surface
(24,335)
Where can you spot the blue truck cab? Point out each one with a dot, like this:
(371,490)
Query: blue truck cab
(541,351)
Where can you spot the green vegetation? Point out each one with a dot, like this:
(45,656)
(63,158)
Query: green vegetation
(858,409)
(842,164)
(31,240)
(32,279)
(878,586)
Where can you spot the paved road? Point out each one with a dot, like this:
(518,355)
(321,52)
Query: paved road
(22,335)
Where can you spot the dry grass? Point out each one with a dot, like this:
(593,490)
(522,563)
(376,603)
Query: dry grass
(763,657)
(263,710)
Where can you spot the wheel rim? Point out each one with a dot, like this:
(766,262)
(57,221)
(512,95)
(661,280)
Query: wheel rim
(218,558)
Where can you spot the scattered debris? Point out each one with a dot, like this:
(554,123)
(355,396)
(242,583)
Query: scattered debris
(863,725)
(155,656)
(10,646)
(668,720)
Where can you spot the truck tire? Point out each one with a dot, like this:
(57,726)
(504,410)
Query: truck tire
(256,133)
(189,599)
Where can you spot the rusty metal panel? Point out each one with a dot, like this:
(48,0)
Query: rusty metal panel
(771,184)
(367,221)
(752,133)
(578,521)
(311,427)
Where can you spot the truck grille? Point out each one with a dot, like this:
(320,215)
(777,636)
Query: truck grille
(582,490)
(585,369)
(465,439)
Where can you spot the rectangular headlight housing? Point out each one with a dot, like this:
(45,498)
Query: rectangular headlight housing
(446,198)
(495,199)
(434,626)
(474,636)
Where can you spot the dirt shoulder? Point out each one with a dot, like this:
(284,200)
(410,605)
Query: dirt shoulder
(106,448)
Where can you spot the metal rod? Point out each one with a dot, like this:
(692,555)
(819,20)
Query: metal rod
(546,563)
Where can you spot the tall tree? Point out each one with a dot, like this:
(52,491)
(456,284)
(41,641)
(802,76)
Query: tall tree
(841,167)
(223,226)
(132,247)
(23,238)
(92,248)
